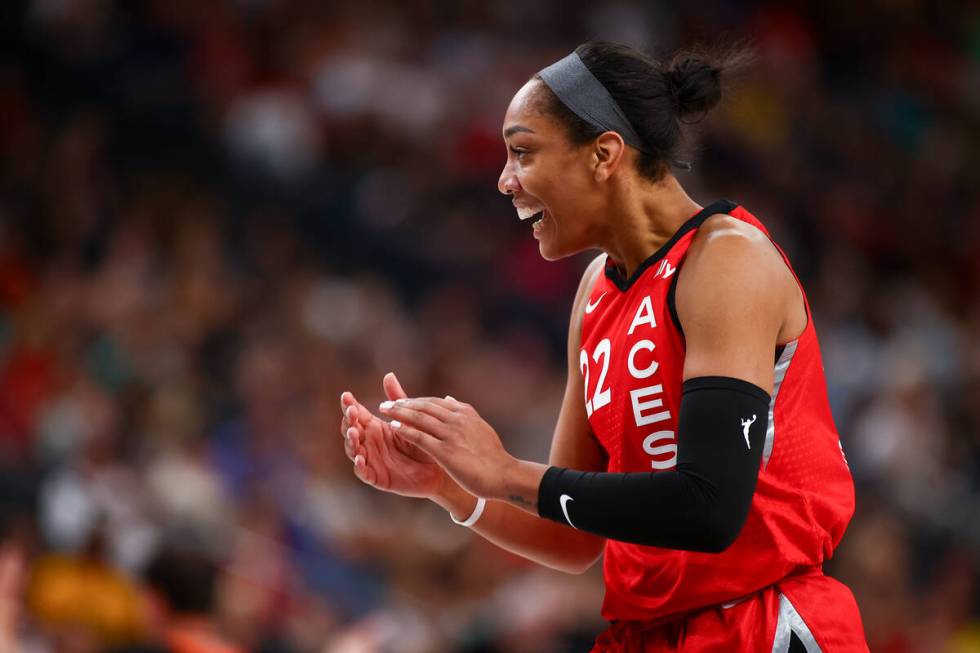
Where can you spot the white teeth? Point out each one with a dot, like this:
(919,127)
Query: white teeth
(525,212)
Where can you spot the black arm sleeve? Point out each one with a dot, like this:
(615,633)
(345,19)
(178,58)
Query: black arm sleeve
(700,506)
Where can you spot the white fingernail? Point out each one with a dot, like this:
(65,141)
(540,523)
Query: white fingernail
(451,398)
(350,412)
(395,424)
(386,405)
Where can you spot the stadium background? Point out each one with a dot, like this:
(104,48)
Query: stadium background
(215,216)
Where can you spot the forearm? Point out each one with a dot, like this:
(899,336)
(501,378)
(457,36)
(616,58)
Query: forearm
(699,507)
(522,533)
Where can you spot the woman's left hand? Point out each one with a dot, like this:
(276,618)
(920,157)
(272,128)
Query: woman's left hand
(455,435)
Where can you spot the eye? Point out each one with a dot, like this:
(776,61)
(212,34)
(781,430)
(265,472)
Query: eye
(519,152)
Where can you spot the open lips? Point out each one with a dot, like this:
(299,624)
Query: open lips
(533,213)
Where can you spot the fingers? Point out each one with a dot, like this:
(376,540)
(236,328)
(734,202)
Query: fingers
(352,442)
(428,414)
(441,409)
(346,399)
(457,406)
(403,446)
(354,413)
(392,387)
(357,445)
(348,412)
(424,441)
(362,471)
(358,455)
(413,431)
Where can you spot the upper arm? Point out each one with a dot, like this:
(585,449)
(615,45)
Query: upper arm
(731,301)
(573,444)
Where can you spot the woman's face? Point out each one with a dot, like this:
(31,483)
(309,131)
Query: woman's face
(549,178)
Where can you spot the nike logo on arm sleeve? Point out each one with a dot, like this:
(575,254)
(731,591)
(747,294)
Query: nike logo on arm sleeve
(702,504)
(564,499)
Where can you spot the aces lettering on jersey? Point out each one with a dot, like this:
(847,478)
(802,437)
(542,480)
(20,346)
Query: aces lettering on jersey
(646,401)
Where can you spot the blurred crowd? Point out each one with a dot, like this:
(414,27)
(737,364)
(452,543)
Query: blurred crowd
(217,215)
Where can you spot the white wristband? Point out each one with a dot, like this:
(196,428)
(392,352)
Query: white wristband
(481,503)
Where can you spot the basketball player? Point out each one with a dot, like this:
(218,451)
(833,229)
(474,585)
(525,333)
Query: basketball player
(695,446)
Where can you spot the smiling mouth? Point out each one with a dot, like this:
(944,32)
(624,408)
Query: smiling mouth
(533,214)
(526,212)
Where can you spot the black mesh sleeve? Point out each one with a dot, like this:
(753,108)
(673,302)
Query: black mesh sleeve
(703,503)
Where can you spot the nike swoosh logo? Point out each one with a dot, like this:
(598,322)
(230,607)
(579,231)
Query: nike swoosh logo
(589,307)
(564,499)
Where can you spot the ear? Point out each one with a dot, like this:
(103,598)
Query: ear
(607,154)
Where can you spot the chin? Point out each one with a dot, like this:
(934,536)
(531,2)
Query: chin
(554,251)
(555,243)
(550,256)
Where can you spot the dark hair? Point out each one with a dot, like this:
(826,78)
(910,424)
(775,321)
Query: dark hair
(186,579)
(656,95)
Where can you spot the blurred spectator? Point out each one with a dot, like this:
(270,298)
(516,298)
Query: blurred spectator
(183,585)
(11,597)
(216,216)
(82,603)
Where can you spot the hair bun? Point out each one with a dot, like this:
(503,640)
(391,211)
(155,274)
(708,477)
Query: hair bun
(694,82)
(654,94)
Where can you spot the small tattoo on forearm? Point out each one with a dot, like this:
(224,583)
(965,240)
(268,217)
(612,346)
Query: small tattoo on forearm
(522,501)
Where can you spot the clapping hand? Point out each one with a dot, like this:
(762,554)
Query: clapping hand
(381,457)
(457,438)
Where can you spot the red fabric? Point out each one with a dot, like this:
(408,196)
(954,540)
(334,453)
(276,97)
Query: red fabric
(827,608)
(27,378)
(804,497)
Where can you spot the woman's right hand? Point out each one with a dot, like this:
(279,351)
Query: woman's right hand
(382,458)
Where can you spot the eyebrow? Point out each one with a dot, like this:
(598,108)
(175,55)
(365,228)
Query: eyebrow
(510,131)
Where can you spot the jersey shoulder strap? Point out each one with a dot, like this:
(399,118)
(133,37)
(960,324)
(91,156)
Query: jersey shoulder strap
(740,213)
(677,243)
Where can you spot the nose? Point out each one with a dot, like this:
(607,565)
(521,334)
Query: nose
(508,183)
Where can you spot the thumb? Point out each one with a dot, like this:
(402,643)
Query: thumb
(393,389)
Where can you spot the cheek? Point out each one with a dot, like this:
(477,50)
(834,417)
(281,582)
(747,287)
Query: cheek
(566,190)
(535,179)
(555,174)
(574,206)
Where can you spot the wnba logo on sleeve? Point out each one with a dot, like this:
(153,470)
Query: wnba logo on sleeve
(664,271)
(746,423)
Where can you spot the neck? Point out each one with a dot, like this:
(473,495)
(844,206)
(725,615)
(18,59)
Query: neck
(643,217)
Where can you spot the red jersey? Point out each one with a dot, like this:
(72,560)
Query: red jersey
(632,360)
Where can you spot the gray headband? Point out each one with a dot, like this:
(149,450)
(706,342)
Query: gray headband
(579,90)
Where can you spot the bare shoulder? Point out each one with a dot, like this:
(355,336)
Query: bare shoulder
(735,249)
(585,286)
(592,272)
(734,232)
(732,297)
